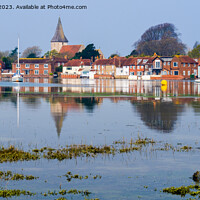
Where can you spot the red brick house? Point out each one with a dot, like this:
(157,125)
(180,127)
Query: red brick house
(184,66)
(105,68)
(33,67)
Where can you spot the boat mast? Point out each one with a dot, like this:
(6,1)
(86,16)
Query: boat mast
(18,58)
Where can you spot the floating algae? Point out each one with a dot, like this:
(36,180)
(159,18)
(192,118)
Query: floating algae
(8,175)
(64,192)
(12,154)
(70,176)
(192,190)
(10,193)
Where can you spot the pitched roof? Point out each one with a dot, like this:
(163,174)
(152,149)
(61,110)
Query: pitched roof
(129,62)
(186,59)
(113,61)
(59,35)
(78,62)
(70,50)
(33,60)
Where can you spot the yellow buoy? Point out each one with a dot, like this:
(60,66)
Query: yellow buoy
(164,88)
(163,82)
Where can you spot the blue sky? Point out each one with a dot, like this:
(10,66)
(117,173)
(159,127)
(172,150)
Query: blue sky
(112,25)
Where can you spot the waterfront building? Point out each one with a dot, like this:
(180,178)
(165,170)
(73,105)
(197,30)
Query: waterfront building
(106,68)
(33,67)
(75,67)
(184,66)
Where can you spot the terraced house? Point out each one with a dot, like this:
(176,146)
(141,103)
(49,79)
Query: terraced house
(184,66)
(33,67)
(105,68)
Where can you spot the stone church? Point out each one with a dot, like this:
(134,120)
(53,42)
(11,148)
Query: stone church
(59,42)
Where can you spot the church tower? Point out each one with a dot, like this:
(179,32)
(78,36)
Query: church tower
(59,38)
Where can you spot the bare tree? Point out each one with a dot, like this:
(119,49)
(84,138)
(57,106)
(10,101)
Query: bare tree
(161,39)
(32,52)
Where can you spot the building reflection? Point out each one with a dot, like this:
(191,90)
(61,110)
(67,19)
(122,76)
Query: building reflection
(158,109)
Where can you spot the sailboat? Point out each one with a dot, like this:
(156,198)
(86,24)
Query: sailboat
(17,77)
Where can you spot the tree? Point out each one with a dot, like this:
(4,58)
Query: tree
(114,55)
(9,59)
(4,54)
(195,53)
(13,54)
(161,39)
(32,52)
(88,53)
(8,62)
(52,53)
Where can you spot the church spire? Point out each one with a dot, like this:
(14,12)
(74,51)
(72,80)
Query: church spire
(59,35)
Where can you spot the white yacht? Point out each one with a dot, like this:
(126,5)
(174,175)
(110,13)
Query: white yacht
(17,77)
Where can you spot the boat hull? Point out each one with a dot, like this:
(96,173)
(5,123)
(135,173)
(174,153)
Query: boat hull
(17,79)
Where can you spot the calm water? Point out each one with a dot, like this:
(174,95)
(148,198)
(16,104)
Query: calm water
(33,114)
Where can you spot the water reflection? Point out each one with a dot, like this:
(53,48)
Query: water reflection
(158,115)
(158,110)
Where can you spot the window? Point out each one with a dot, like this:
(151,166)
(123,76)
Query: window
(176,73)
(188,73)
(158,64)
(133,67)
(141,67)
(194,65)
(130,67)
(112,66)
(102,66)
(98,67)
(27,72)
(36,65)
(146,66)
(188,64)
(69,68)
(18,71)
(175,64)
(145,60)
(183,64)
(95,67)
(18,66)
(195,72)
(168,63)
(27,65)
(138,61)
(138,67)
(36,72)
(58,64)
(45,72)
(45,65)
(183,73)
(132,73)
(164,63)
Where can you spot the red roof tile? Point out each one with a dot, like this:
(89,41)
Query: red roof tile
(78,62)
(186,59)
(70,50)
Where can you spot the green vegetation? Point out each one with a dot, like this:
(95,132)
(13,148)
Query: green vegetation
(70,176)
(8,175)
(12,154)
(192,190)
(88,53)
(10,193)
(195,52)
(64,192)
